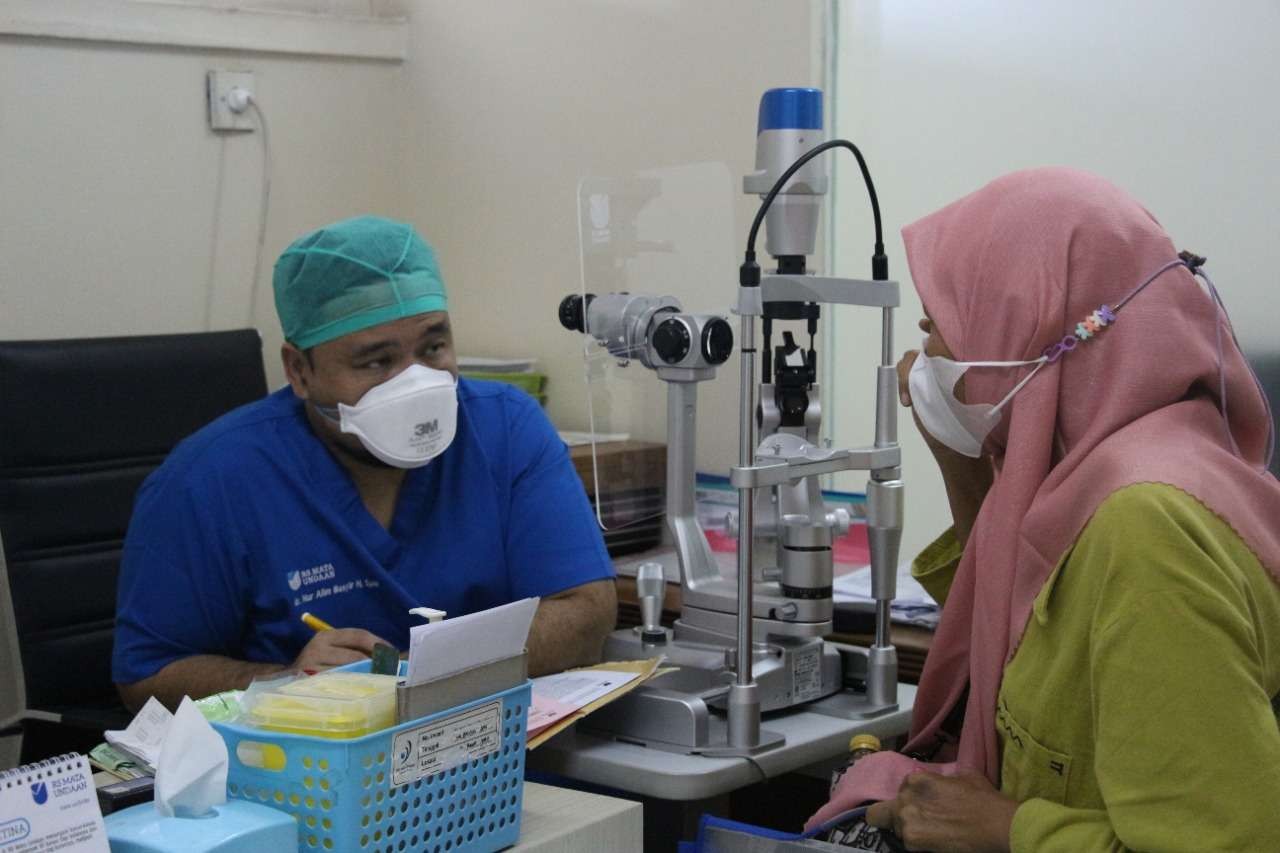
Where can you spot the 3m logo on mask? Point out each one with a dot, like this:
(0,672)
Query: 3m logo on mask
(407,420)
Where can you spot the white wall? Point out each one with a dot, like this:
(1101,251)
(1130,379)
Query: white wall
(111,220)
(1175,101)
(511,103)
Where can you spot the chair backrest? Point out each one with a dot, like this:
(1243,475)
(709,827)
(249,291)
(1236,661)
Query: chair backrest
(1268,369)
(82,423)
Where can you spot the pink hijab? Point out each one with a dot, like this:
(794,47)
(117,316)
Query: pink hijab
(1004,273)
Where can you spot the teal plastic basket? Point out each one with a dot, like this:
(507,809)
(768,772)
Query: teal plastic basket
(451,781)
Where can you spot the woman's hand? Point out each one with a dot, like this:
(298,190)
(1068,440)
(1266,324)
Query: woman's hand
(947,814)
(967,480)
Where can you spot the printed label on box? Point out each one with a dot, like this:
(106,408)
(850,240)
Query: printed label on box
(436,747)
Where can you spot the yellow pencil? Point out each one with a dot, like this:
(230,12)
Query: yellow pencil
(315,623)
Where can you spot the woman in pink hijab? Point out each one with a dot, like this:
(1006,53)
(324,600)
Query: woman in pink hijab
(1103,674)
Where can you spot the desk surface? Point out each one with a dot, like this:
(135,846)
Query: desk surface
(567,821)
(811,738)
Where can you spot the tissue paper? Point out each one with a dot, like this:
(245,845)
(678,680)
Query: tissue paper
(191,773)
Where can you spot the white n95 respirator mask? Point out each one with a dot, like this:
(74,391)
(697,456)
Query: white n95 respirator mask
(406,421)
(963,427)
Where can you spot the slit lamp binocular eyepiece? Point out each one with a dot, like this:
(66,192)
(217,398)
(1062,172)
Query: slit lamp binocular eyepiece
(651,329)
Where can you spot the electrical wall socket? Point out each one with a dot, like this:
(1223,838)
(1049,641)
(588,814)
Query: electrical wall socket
(218,85)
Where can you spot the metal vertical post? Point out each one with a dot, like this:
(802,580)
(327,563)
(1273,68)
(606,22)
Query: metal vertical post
(744,698)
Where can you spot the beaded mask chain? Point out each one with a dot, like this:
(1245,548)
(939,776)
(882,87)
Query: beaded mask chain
(1106,315)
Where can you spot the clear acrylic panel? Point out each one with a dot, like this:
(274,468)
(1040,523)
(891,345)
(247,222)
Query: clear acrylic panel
(650,241)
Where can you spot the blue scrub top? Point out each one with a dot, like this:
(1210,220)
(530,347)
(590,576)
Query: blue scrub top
(251,521)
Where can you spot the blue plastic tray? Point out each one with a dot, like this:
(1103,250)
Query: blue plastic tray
(451,781)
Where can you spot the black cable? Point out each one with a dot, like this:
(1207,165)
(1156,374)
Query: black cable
(879,262)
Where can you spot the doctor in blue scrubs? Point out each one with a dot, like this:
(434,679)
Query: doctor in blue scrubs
(377,481)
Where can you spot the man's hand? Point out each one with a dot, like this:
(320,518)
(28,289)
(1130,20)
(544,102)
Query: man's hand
(336,647)
(947,814)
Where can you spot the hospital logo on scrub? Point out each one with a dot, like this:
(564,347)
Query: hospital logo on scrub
(313,575)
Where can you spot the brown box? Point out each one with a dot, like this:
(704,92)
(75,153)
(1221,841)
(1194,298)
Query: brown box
(632,477)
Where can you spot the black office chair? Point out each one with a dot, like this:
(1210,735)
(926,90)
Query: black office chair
(82,423)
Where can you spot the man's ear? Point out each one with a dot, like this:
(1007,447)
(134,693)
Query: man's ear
(297,368)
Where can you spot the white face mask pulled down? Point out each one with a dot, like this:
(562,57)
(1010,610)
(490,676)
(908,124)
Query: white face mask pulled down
(406,421)
(963,427)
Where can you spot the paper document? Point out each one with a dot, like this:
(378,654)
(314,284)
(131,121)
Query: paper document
(119,764)
(575,438)
(912,605)
(557,696)
(515,364)
(452,645)
(856,586)
(145,733)
(562,699)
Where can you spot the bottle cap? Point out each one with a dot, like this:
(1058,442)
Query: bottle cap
(870,742)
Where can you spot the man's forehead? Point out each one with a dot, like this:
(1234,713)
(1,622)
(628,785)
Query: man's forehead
(405,331)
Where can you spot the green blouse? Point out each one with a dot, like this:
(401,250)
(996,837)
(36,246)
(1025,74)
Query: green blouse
(1137,712)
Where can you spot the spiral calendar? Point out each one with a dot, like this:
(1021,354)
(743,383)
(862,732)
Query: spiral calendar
(51,806)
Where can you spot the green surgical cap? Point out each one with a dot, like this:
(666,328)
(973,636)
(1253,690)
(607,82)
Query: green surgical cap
(352,275)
